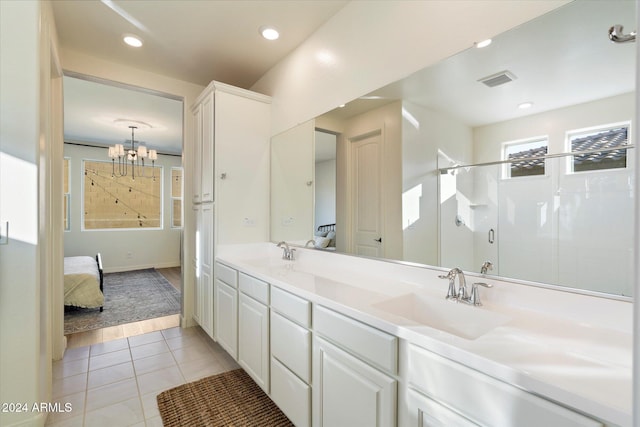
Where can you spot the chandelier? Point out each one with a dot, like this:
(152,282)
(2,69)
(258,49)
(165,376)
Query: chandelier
(133,156)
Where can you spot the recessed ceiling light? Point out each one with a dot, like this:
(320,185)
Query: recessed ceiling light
(483,43)
(269,33)
(525,105)
(132,40)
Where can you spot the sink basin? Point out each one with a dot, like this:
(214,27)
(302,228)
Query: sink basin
(459,319)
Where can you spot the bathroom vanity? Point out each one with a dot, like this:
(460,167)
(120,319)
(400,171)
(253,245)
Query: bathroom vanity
(337,340)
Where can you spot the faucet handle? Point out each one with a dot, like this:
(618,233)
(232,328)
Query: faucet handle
(451,292)
(474,298)
(292,254)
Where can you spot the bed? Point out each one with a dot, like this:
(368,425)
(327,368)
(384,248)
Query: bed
(83,282)
(325,237)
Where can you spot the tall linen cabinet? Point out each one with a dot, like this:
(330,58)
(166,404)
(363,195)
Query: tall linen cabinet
(230,202)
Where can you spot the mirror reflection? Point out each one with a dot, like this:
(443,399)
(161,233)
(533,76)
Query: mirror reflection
(444,168)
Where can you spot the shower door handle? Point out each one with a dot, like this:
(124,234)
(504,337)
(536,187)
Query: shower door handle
(492,235)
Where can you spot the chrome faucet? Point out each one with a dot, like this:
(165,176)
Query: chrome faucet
(487,265)
(287,252)
(313,243)
(461,293)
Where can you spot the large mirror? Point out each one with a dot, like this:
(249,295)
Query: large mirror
(518,153)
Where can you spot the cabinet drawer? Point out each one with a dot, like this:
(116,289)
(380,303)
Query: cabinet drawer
(379,348)
(291,306)
(291,345)
(291,395)
(473,394)
(227,275)
(255,288)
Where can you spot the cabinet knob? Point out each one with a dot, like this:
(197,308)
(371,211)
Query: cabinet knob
(223,175)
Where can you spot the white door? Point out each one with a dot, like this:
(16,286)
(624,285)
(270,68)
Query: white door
(348,392)
(367,195)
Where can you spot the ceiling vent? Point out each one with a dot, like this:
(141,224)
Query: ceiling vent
(498,79)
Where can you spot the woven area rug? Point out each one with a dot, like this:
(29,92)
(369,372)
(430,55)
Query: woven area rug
(128,297)
(228,399)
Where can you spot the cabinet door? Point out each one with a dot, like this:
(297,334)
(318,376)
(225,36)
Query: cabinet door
(291,394)
(197,291)
(226,318)
(197,154)
(426,412)
(348,392)
(206,269)
(207,149)
(253,339)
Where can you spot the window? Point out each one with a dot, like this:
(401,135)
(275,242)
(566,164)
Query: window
(527,157)
(112,202)
(176,197)
(67,194)
(598,149)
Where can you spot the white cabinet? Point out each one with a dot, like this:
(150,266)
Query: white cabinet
(231,160)
(226,309)
(196,158)
(426,412)
(203,266)
(352,385)
(253,329)
(203,148)
(197,293)
(348,392)
(230,164)
(291,355)
(481,398)
(205,281)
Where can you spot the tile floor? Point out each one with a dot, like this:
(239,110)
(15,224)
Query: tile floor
(115,383)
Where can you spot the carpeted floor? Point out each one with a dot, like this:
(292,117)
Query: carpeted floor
(129,297)
(228,399)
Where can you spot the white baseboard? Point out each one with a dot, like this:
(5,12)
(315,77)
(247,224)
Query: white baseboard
(141,267)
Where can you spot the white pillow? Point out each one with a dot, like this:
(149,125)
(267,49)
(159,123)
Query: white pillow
(321,233)
(331,234)
(321,242)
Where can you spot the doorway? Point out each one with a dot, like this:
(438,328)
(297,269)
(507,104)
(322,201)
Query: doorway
(99,114)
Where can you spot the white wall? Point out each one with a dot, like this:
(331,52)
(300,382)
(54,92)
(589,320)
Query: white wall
(27,132)
(369,44)
(92,66)
(148,248)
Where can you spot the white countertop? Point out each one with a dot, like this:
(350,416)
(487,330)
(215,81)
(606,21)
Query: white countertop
(570,348)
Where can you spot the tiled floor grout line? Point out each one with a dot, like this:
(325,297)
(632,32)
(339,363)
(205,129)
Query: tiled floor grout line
(192,345)
(135,375)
